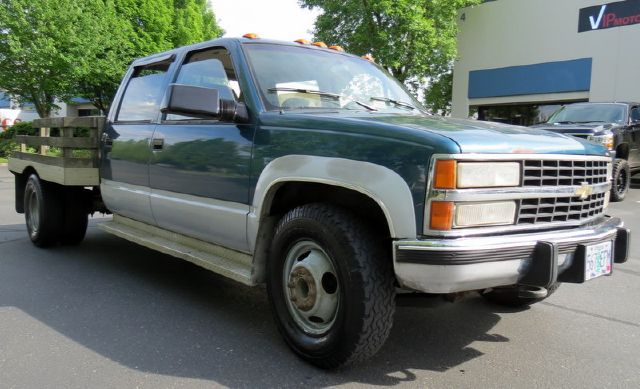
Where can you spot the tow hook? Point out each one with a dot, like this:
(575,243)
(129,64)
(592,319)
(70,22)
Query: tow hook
(531,291)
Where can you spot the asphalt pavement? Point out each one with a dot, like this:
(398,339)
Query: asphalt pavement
(111,314)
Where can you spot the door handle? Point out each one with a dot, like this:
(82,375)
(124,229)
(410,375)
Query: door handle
(157,144)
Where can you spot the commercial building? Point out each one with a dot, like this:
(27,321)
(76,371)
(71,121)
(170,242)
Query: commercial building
(518,60)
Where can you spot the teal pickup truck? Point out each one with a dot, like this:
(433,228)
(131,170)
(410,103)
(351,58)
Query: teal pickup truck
(315,172)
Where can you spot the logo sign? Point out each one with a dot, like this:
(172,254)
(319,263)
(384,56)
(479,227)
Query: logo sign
(584,191)
(601,17)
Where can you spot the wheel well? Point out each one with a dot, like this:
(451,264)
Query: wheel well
(622,151)
(289,195)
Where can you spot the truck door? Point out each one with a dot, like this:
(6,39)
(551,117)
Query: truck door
(199,169)
(125,143)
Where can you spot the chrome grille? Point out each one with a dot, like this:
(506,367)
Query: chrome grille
(560,209)
(563,173)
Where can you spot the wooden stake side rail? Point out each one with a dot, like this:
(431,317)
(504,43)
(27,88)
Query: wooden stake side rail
(66,169)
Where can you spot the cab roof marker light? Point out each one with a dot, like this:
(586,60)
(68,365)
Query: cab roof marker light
(368,57)
(303,41)
(320,44)
(336,47)
(251,36)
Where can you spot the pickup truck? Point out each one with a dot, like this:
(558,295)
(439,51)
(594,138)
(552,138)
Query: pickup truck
(313,171)
(614,125)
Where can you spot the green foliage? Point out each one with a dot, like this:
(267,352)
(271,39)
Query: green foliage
(58,49)
(7,137)
(41,49)
(414,39)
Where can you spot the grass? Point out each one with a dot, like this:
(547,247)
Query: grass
(3,160)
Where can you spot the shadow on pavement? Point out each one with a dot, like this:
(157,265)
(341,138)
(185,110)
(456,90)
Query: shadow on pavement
(156,314)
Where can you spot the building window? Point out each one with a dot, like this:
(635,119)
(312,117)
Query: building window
(88,112)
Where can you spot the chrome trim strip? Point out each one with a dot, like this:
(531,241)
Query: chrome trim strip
(491,194)
(602,230)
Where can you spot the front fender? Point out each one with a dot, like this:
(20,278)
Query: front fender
(384,186)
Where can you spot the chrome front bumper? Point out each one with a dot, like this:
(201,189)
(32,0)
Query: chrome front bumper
(463,264)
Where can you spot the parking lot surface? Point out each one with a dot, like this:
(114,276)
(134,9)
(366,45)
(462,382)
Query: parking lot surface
(111,314)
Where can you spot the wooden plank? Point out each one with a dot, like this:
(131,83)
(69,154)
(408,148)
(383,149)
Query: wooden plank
(78,143)
(57,161)
(70,122)
(59,175)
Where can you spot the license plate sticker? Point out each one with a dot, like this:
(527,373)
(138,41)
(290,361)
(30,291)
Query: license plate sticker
(597,261)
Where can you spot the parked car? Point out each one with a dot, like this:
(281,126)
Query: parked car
(614,125)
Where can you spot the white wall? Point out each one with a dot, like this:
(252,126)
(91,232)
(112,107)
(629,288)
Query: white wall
(523,32)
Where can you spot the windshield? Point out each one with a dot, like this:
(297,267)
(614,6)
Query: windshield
(299,78)
(590,113)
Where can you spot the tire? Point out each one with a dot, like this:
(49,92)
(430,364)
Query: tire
(509,296)
(43,211)
(76,216)
(621,180)
(330,284)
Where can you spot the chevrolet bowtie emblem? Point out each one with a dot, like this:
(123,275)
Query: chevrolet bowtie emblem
(584,191)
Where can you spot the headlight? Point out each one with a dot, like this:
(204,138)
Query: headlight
(446,215)
(450,174)
(606,140)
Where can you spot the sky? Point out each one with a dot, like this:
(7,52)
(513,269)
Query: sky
(272,19)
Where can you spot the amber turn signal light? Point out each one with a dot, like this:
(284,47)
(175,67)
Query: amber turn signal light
(445,174)
(441,215)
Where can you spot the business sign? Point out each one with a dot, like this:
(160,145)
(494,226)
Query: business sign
(601,17)
(8,117)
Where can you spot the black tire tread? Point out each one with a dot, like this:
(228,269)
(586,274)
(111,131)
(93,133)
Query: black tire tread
(51,218)
(376,276)
(618,166)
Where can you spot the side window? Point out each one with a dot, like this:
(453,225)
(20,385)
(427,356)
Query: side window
(635,114)
(211,68)
(141,99)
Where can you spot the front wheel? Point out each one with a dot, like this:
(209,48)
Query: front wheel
(330,284)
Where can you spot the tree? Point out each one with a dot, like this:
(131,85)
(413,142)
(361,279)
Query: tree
(40,44)
(53,50)
(415,40)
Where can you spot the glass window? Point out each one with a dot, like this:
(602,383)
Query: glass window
(300,78)
(210,68)
(141,100)
(635,114)
(590,113)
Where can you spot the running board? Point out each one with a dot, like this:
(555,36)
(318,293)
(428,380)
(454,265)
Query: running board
(229,263)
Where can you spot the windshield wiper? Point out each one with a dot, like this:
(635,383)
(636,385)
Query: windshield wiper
(394,102)
(319,93)
(307,91)
(591,121)
(564,122)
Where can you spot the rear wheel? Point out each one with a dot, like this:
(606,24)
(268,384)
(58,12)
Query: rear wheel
(621,180)
(43,211)
(76,216)
(330,284)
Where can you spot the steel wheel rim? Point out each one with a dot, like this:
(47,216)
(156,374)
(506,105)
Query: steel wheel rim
(33,213)
(311,287)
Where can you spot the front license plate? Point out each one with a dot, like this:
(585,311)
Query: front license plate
(598,260)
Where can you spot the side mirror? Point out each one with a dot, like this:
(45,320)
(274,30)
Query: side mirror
(196,101)
(203,103)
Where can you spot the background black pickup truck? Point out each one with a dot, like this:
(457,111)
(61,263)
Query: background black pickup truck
(614,125)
